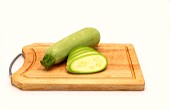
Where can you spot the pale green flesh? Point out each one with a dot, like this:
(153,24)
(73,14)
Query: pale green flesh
(88,64)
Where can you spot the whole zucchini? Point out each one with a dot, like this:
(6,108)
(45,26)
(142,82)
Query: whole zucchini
(60,50)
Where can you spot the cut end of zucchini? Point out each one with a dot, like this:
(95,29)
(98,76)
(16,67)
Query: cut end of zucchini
(47,61)
(88,64)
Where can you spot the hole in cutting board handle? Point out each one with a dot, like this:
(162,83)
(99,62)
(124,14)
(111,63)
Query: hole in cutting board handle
(13,61)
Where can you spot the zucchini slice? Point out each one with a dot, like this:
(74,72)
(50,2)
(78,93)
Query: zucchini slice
(88,64)
(85,60)
(81,55)
(78,49)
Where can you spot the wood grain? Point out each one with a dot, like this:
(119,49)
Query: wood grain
(122,73)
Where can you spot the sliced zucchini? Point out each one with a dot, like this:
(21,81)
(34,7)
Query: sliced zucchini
(85,60)
(88,64)
(81,55)
(80,48)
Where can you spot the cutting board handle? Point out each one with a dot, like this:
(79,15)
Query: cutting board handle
(13,61)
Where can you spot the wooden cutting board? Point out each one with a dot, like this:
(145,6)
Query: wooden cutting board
(122,73)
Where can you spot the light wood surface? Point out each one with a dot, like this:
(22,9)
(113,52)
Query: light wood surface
(122,73)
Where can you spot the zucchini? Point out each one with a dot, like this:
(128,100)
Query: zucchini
(79,48)
(89,61)
(78,53)
(81,55)
(60,50)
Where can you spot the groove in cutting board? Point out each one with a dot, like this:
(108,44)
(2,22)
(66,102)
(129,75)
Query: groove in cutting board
(122,73)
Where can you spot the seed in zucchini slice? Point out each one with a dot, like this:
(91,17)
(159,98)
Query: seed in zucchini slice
(88,64)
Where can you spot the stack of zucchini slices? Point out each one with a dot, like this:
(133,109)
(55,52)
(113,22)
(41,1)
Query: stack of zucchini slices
(84,59)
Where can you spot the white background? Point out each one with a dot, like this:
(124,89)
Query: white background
(145,24)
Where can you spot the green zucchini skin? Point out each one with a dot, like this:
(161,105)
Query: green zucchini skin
(60,50)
